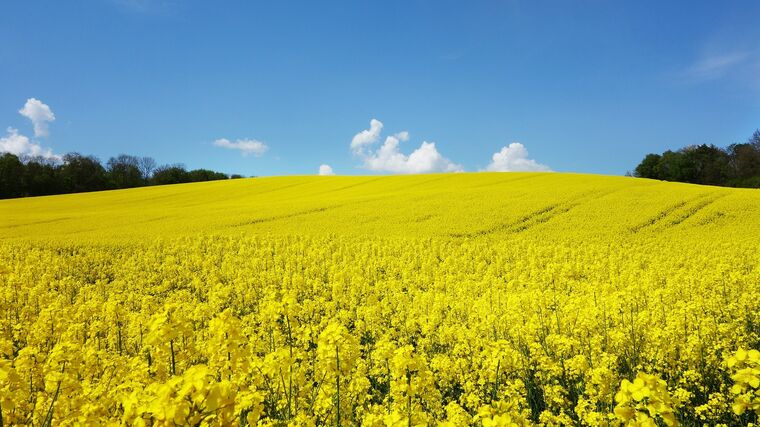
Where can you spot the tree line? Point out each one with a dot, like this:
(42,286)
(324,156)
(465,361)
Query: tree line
(737,165)
(76,173)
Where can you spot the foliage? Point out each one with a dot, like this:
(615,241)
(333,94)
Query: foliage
(78,173)
(176,174)
(11,176)
(736,166)
(124,172)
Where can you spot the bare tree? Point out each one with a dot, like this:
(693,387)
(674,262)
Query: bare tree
(147,166)
(754,140)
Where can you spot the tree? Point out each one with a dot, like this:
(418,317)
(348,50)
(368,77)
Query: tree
(124,172)
(42,177)
(706,164)
(738,165)
(147,166)
(672,167)
(754,140)
(170,174)
(745,160)
(12,174)
(649,167)
(82,173)
(198,175)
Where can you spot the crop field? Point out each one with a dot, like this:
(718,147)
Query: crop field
(474,299)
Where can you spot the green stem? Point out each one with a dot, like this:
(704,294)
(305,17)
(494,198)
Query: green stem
(174,366)
(496,384)
(49,416)
(337,386)
(290,369)
(409,397)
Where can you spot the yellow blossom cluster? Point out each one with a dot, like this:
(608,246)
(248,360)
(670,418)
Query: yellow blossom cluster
(563,304)
(644,400)
(745,366)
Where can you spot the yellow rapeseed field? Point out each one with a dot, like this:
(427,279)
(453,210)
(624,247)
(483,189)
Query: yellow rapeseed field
(433,300)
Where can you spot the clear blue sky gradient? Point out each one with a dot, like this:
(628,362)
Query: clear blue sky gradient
(586,86)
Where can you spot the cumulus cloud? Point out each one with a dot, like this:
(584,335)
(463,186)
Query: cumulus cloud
(326,170)
(40,114)
(389,158)
(245,146)
(367,137)
(402,136)
(514,158)
(20,145)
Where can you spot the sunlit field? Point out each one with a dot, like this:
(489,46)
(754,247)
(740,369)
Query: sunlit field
(478,299)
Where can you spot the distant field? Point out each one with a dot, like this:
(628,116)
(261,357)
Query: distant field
(451,205)
(456,299)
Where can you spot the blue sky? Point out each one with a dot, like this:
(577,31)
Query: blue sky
(282,87)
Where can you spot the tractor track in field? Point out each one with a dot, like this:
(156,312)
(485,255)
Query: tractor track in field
(305,212)
(49,221)
(346,187)
(709,219)
(562,208)
(694,210)
(677,213)
(284,216)
(539,216)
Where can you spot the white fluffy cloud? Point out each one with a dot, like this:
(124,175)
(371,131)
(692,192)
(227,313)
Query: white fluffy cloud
(389,158)
(20,145)
(514,158)
(245,146)
(15,143)
(367,137)
(326,170)
(40,114)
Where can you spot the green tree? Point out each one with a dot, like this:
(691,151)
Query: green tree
(673,168)
(705,164)
(745,160)
(12,174)
(738,165)
(198,175)
(649,167)
(170,174)
(42,177)
(82,173)
(124,172)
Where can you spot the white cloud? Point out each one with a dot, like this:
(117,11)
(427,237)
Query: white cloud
(717,64)
(514,158)
(40,114)
(367,137)
(424,159)
(326,170)
(20,145)
(402,136)
(245,146)
(389,158)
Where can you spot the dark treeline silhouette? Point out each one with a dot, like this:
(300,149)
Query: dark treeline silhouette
(37,176)
(738,165)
